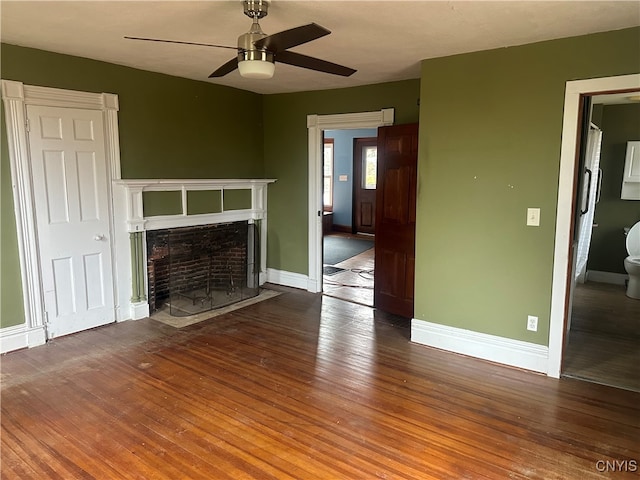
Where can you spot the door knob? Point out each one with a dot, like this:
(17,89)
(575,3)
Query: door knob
(98,238)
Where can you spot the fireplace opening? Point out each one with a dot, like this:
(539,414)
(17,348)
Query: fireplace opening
(195,269)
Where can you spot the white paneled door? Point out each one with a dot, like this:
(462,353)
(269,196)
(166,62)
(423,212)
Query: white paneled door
(70,184)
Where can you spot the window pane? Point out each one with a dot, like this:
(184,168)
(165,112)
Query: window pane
(328,159)
(326,194)
(370,162)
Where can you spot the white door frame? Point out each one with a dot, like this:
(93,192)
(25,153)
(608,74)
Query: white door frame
(16,97)
(564,213)
(316,125)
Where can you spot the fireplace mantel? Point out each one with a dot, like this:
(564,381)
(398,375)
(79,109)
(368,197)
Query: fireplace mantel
(137,222)
(131,234)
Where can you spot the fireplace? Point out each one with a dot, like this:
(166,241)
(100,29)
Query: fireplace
(199,268)
(165,268)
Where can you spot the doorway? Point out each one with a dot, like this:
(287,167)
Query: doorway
(316,125)
(349,214)
(602,332)
(564,260)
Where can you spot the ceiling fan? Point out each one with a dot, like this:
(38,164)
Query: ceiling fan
(258,52)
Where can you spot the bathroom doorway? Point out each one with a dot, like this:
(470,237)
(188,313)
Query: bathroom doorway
(603,333)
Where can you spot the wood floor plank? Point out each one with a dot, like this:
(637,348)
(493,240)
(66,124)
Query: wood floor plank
(604,339)
(299,386)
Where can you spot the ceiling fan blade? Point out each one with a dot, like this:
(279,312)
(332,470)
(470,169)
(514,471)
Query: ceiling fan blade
(279,42)
(304,61)
(228,67)
(178,41)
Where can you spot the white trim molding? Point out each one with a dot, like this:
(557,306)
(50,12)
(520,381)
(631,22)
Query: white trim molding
(562,251)
(16,96)
(515,353)
(287,279)
(136,220)
(20,336)
(566,192)
(316,124)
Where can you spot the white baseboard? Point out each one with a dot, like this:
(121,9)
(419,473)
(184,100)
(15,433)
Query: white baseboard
(607,277)
(515,353)
(287,279)
(19,336)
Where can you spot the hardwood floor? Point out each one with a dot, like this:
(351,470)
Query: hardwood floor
(299,386)
(604,341)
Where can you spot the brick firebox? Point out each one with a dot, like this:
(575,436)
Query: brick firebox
(194,269)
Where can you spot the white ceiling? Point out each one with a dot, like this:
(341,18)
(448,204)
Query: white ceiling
(383,40)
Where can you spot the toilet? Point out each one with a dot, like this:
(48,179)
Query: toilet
(632,262)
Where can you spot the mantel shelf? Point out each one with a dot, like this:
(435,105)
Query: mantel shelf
(148,185)
(134,189)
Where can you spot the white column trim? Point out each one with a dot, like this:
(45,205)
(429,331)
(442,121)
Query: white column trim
(16,96)
(564,213)
(316,124)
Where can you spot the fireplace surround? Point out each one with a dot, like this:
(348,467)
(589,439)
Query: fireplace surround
(225,218)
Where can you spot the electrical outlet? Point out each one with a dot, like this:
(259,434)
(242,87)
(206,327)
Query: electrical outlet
(532,323)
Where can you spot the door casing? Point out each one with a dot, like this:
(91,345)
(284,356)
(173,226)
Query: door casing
(16,96)
(316,124)
(562,256)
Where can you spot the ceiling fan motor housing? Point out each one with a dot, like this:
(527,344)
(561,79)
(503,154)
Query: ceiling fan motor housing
(246,48)
(256,8)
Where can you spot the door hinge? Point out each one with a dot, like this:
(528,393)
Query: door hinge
(28,125)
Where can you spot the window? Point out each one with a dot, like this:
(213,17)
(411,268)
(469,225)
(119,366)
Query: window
(369,167)
(327,192)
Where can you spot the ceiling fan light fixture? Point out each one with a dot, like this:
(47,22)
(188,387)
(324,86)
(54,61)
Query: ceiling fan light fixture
(256,64)
(256,69)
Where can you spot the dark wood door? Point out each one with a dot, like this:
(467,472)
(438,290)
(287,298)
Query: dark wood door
(396,219)
(364,184)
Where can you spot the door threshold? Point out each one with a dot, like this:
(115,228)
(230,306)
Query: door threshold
(349,300)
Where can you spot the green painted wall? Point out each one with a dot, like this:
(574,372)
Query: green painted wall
(169,128)
(286,156)
(490,129)
(11,305)
(619,124)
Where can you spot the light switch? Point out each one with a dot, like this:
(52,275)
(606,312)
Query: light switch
(343,178)
(533,217)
